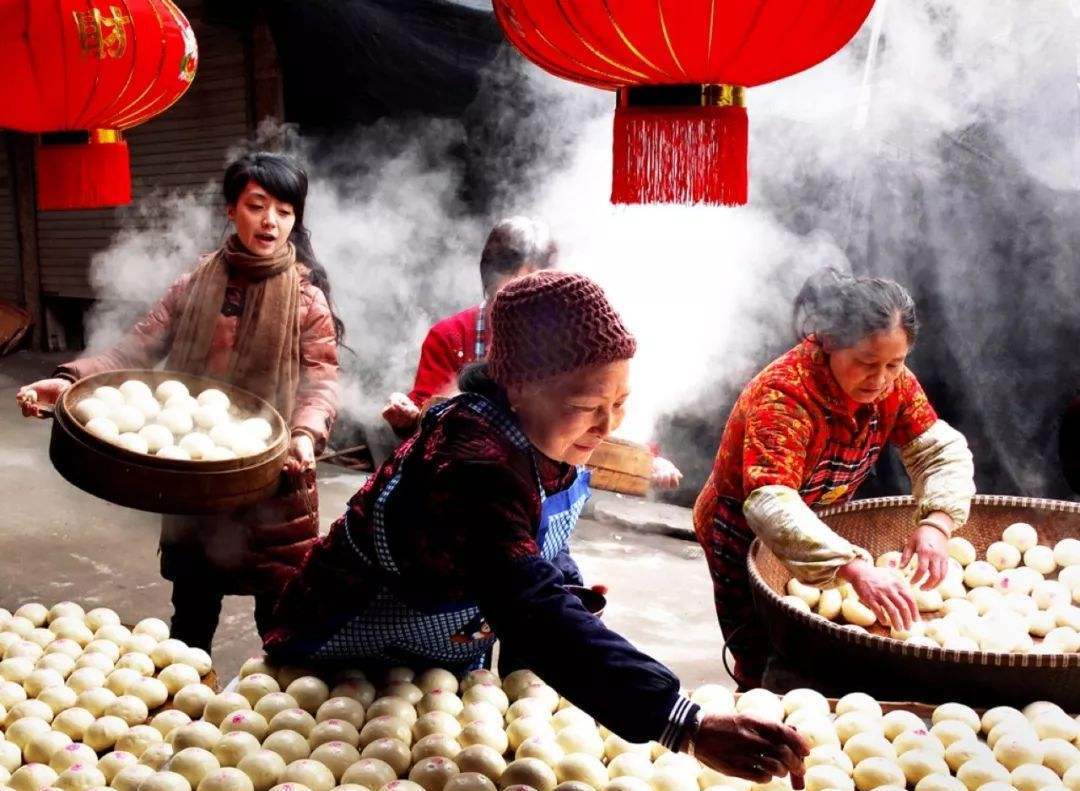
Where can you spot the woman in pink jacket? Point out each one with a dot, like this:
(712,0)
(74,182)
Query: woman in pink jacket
(255,313)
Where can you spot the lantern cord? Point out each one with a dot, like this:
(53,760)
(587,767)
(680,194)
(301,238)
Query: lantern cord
(877,23)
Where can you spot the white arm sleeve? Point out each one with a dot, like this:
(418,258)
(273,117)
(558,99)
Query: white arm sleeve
(942,473)
(810,549)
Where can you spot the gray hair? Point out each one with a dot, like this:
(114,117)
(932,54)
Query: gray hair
(841,310)
(513,243)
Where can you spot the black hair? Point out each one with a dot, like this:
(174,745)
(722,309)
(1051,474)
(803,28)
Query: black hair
(476,378)
(283,178)
(513,243)
(840,310)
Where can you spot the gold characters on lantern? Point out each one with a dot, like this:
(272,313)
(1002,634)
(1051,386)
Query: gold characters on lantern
(100,35)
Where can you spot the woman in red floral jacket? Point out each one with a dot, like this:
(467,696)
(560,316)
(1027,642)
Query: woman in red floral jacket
(256,313)
(805,433)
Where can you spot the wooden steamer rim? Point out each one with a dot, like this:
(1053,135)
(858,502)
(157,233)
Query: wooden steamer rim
(619,465)
(151,483)
(973,677)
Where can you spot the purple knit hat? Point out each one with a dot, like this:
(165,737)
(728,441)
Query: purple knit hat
(552,322)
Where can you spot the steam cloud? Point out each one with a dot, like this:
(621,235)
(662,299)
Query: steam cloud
(893,156)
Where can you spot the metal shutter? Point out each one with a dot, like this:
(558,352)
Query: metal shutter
(10,287)
(184,148)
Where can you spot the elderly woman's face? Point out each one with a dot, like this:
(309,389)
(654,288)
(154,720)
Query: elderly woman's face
(868,370)
(566,416)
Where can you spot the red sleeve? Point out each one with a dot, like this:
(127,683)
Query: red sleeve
(915,414)
(778,432)
(438,367)
(144,345)
(317,396)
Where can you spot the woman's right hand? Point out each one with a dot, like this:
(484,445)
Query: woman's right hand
(400,412)
(755,749)
(883,592)
(38,398)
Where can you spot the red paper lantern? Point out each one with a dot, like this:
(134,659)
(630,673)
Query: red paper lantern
(680,69)
(78,72)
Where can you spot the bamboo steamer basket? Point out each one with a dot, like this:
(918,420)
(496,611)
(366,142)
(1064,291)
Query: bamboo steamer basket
(168,486)
(618,465)
(847,660)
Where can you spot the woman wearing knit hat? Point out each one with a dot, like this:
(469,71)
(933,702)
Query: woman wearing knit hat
(464,533)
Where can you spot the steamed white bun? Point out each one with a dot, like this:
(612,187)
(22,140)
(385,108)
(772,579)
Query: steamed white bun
(110,395)
(258,427)
(196,444)
(90,408)
(103,428)
(132,442)
(174,452)
(213,397)
(170,388)
(133,390)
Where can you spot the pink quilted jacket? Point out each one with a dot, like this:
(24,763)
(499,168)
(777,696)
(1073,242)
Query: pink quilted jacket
(258,547)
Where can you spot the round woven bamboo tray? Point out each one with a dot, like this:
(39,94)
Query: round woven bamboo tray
(619,465)
(846,660)
(168,486)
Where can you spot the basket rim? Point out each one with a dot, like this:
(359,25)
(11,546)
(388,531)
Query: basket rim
(992,500)
(275,448)
(897,647)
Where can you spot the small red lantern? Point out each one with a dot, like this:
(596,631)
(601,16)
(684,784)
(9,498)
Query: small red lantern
(78,72)
(680,69)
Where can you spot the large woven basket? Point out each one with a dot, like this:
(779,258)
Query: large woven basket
(846,660)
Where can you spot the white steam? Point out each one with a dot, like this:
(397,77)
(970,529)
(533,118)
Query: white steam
(707,291)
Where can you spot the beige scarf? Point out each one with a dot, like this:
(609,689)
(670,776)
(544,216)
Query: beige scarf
(266,358)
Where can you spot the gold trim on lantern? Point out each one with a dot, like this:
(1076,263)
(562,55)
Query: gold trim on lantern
(708,95)
(589,45)
(106,136)
(717,95)
(626,39)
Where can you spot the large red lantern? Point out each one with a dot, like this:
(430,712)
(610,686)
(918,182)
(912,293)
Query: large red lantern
(680,69)
(79,72)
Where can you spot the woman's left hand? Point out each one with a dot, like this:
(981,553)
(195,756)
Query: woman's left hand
(744,746)
(301,456)
(665,475)
(930,546)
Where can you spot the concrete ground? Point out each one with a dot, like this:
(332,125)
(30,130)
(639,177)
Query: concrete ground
(57,543)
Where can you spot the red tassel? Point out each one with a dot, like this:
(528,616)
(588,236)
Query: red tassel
(83,175)
(680,155)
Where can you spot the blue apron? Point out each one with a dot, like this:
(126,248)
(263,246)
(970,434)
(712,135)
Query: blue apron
(454,633)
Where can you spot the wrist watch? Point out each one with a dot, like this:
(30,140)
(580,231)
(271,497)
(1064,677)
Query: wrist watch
(693,726)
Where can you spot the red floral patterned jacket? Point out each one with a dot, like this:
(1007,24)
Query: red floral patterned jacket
(793,426)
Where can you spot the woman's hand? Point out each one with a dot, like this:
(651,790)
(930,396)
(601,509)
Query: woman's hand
(665,475)
(883,592)
(400,412)
(36,399)
(741,745)
(301,456)
(930,545)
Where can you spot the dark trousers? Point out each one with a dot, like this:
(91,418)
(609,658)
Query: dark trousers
(726,550)
(197,608)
